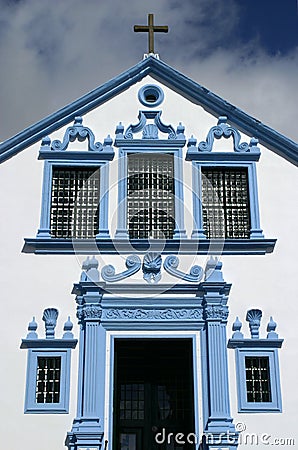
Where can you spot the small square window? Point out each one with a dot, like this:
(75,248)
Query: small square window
(258,380)
(257,371)
(48,380)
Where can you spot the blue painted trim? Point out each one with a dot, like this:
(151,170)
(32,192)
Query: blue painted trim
(31,406)
(173,79)
(45,246)
(44,231)
(255,343)
(152,146)
(275,406)
(256,233)
(47,344)
(168,336)
(157,145)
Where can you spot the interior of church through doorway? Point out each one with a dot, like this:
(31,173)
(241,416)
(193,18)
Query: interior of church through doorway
(154,394)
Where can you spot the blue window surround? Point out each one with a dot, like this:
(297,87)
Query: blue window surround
(44,230)
(48,348)
(244,156)
(255,347)
(261,350)
(115,336)
(56,154)
(121,231)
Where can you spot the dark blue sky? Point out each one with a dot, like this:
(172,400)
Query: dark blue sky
(52,52)
(273,22)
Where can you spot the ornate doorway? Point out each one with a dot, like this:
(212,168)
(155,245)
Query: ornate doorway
(153,397)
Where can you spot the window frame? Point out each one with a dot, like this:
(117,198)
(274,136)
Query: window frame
(150,200)
(122,229)
(31,405)
(198,230)
(275,405)
(44,230)
(224,170)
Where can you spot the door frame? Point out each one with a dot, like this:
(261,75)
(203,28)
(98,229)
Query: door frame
(111,336)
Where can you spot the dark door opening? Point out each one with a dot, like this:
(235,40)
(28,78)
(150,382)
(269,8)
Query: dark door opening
(153,395)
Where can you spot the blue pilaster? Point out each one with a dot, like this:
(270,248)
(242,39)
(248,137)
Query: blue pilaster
(218,426)
(87,429)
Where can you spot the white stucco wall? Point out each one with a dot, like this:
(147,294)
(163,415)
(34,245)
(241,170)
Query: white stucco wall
(31,283)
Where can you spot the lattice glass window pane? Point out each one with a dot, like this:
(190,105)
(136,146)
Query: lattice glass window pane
(132,401)
(75,199)
(225,201)
(150,196)
(48,380)
(257,379)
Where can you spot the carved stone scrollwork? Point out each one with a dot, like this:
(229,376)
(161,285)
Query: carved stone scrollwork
(153,314)
(150,131)
(213,312)
(133,264)
(224,130)
(79,132)
(170,265)
(89,312)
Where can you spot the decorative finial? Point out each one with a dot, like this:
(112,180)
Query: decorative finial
(236,328)
(151,29)
(32,327)
(50,316)
(90,270)
(78,121)
(254,317)
(68,326)
(213,270)
(271,327)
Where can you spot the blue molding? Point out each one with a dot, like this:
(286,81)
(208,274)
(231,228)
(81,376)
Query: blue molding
(123,246)
(257,344)
(173,79)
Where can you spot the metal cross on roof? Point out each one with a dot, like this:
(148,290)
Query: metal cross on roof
(151,29)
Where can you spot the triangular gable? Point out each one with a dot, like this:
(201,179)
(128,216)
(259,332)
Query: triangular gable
(174,80)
